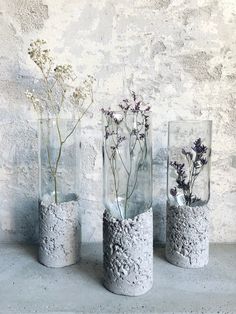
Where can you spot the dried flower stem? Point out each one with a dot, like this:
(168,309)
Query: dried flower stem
(55,79)
(196,162)
(136,133)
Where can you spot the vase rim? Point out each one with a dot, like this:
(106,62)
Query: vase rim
(129,112)
(54,118)
(189,121)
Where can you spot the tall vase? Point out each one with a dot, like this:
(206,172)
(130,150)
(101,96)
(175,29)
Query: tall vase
(128,219)
(188,192)
(59,222)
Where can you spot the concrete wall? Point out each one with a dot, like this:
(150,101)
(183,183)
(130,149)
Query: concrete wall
(180,54)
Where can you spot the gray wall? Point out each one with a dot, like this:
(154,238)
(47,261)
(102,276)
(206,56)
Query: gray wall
(180,54)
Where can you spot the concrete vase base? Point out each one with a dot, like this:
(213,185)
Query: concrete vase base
(128,254)
(187,243)
(59,234)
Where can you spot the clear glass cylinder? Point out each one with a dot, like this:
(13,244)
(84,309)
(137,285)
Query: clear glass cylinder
(127,163)
(58,160)
(189,154)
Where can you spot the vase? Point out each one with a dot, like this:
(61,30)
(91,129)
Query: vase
(127,189)
(59,220)
(188,193)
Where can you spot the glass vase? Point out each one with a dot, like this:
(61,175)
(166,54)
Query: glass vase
(58,160)
(188,192)
(128,218)
(127,164)
(59,223)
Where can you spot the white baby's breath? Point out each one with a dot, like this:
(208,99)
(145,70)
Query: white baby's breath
(58,95)
(58,81)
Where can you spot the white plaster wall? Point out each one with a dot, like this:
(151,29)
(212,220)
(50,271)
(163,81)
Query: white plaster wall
(180,54)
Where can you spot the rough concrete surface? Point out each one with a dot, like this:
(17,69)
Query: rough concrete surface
(187,239)
(59,234)
(128,253)
(180,55)
(28,287)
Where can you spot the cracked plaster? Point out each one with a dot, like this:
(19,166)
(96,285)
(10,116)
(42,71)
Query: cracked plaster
(180,55)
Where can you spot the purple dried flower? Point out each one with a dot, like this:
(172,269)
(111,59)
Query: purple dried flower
(120,139)
(133,95)
(186,153)
(146,122)
(134,132)
(203,161)
(108,112)
(196,162)
(141,136)
(198,147)
(173,191)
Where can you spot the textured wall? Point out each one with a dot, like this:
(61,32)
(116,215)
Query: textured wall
(180,54)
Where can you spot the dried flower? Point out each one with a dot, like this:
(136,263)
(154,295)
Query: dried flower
(187,154)
(133,121)
(34,100)
(198,147)
(38,54)
(64,72)
(136,104)
(196,162)
(117,118)
(141,136)
(58,96)
(173,191)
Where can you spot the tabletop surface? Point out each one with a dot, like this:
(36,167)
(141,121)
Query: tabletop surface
(26,286)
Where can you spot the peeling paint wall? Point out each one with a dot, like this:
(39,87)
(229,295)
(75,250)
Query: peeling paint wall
(180,54)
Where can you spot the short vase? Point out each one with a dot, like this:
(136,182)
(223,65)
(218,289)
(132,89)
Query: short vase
(188,192)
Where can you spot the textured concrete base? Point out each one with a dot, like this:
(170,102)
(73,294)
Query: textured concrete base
(59,234)
(187,243)
(128,254)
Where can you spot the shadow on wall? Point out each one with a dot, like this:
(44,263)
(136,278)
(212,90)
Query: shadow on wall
(159,223)
(159,195)
(18,182)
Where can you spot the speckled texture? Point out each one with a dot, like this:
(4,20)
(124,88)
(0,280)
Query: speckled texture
(128,254)
(187,241)
(179,54)
(59,234)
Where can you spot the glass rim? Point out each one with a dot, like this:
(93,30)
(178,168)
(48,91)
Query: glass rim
(54,118)
(189,121)
(129,112)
